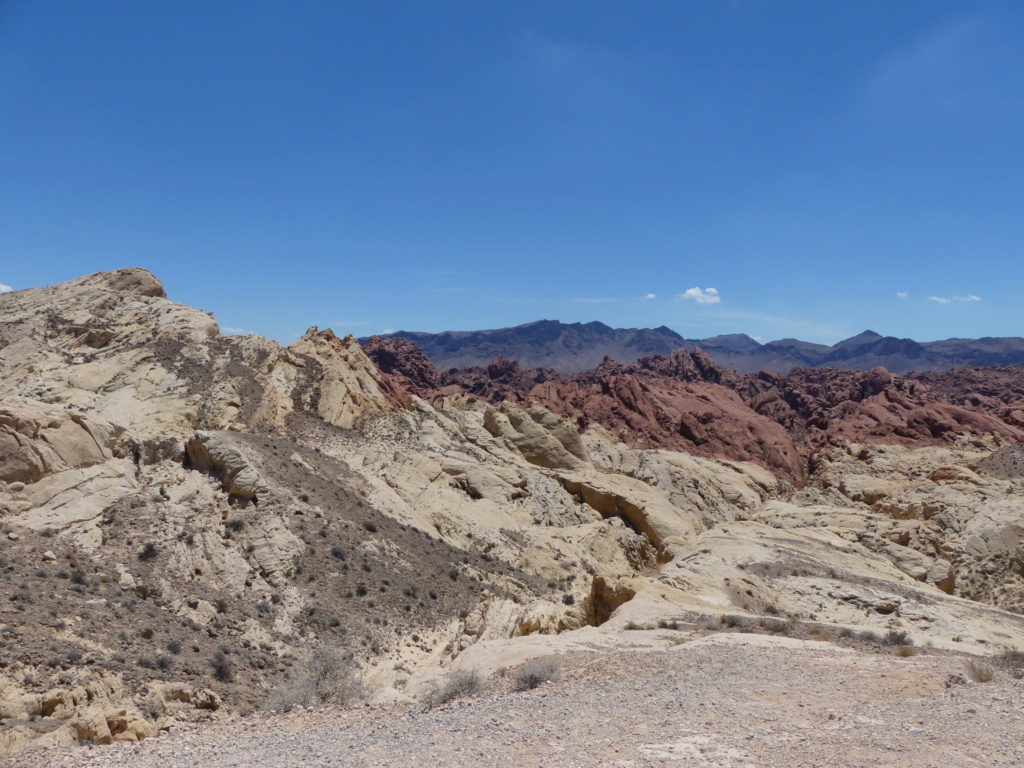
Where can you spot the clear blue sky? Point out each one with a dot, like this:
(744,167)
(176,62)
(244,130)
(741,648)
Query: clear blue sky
(443,165)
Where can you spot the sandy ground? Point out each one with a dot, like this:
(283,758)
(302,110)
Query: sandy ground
(722,701)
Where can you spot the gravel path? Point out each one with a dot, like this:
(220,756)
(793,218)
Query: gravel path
(727,701)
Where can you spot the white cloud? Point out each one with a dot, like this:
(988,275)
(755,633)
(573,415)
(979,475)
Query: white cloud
(944,300)
(902,294)
(651,296)
(388,330)
(5,288)
(702,295)
(234,331)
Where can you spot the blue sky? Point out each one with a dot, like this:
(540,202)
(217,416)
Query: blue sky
(824,167)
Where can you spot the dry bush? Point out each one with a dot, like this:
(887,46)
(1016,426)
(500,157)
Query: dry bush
(1011,661)
(223,668)
(543,670)
(327,677)
(979,671)
(905,650)
(898,637)
(457,685)
(777,626)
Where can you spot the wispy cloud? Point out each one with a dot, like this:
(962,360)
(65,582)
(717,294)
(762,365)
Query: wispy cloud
(5,288)
(950,300)
(954,67)
(903,294)
(388,330)
(615,300)
(234,331)
(575,71)
(702,295)
(773,326)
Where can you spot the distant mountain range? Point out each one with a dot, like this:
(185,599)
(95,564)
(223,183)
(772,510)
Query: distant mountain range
(571,347)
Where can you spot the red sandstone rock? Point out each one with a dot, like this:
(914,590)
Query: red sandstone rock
(684,401)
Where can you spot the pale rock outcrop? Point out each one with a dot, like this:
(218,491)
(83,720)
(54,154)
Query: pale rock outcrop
(540,436)
(349,384)
(37,440)
(226,460)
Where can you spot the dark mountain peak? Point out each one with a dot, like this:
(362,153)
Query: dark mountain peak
(733,341)
(572,347)
(867,337)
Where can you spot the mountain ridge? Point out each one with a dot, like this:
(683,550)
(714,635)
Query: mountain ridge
(575,347)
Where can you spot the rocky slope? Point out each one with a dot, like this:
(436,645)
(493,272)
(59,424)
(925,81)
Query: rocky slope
(572,347)
(188,520)
(687,402)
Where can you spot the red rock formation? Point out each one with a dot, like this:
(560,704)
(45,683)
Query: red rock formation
(684,401)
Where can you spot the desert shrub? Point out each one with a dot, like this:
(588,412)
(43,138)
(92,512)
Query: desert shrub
(868,636)
(732,621)
(370,526)
(905,650)
(164,663)
(536,672)
(1011,661)
(776,626)
(665,624)
(339,553)
(149,551)
(898,637)
(77,577)
(979,671)
(361,590)
(222,605)
(457,685)
(174,647)
(328,677)
(223,668)
(569,599)
(235,525)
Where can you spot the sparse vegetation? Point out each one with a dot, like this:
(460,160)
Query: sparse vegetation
(328,677)
(1011,661)
(149,551)
(537,672)
(979,671)
(223,668)
(898,637)
(457,685)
